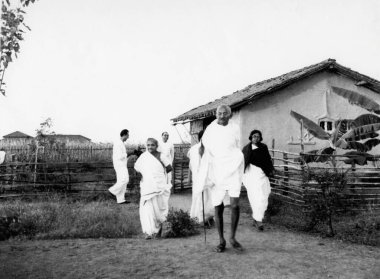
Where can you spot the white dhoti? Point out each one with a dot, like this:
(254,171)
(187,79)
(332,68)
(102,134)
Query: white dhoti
(120,187)
(197,207)
(226,161)
(155,192)
(153,212)
(258,189)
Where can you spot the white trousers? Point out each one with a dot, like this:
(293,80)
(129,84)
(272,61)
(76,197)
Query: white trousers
(120,187)
(258,189)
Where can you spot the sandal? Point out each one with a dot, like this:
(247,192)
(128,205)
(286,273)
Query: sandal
(236,245)
(220,248)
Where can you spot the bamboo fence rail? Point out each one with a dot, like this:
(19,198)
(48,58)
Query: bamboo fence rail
(95,173)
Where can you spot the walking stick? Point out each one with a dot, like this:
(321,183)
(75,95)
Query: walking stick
(204,221)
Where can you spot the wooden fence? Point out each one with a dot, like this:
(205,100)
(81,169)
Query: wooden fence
(181,167)
(74,170)
(74,175)
(28,153)
(289,183)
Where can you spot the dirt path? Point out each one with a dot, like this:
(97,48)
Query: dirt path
(271,254)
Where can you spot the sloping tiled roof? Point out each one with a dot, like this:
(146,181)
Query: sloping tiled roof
(16,134)
(241,97)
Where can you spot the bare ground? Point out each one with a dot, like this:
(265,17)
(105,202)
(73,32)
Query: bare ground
(275,253)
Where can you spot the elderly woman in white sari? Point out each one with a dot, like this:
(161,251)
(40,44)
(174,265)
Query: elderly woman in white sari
(154,188)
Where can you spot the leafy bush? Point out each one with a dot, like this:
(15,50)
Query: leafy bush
(325,196)
(179,224)
(274,206)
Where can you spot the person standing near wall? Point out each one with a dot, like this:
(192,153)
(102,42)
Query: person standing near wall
(166,148)
(257,168)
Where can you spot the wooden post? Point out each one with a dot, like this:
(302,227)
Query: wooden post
(301,138)
(173,174)
(35,165)
(286,172)
(273,151)
(68,184)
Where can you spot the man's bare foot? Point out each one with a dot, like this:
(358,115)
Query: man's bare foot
(236,245)
(220,248)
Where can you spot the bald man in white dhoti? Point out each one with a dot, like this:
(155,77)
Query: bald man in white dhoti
(119,158)
(199,207)
(154,188)
(221,143)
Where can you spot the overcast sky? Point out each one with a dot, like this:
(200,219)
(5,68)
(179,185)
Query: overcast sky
(98,66)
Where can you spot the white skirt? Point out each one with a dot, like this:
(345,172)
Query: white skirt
(258,189)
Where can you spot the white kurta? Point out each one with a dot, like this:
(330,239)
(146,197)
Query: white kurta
(258,189)
(167,151)
(196,210)
(226,160)
(155,192)
(119,158)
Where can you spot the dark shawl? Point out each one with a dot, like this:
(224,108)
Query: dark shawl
(259,157)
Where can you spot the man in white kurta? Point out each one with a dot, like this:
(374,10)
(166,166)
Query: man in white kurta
(167,150)
(221,145)
(119,158)
(197,206)
(155,192)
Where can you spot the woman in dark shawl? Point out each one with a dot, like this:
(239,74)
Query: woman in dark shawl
(257,168)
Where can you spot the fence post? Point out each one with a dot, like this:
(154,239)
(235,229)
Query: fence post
(68,182)
(286,173)
(35,165)
(273,151)
(173,174)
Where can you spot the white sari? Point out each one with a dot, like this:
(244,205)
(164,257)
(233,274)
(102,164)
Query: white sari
(258,189)
(155,192)
(200,183)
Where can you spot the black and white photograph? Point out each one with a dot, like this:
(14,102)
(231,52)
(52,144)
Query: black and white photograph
(190,139)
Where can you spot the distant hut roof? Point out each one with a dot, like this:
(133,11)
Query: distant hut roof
(17,135)
(251,92)
(70,137)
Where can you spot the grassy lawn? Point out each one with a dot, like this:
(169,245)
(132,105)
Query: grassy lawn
(361,227)
(57,218)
